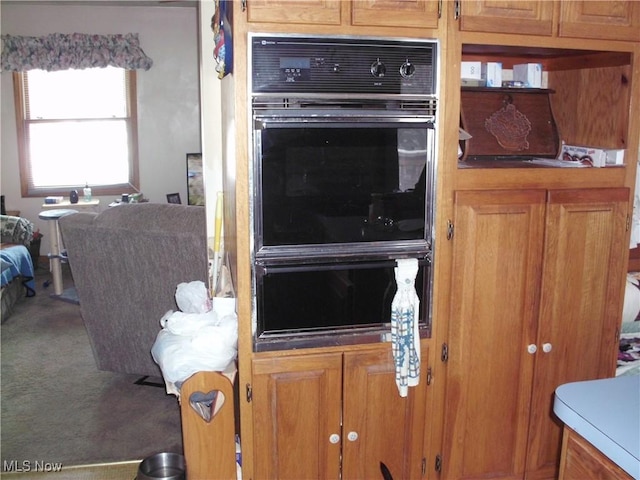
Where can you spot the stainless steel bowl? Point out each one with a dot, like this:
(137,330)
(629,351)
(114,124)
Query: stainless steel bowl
(164,466)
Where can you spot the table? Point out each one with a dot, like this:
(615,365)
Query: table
(93,204)
(55,257)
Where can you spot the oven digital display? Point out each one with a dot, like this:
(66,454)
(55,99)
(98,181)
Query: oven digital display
(293,69)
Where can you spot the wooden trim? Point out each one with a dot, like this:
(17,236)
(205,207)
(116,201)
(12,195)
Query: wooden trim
(23,145)
(634,260)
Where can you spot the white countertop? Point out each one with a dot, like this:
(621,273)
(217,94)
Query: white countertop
(607,414)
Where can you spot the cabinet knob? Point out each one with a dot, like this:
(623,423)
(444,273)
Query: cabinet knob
(334,438)
(546,347)
(532,348)
(352,436)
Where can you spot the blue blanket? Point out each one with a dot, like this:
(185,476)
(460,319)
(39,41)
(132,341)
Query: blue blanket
(16,262)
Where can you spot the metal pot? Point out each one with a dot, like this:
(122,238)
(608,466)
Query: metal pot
(162,466)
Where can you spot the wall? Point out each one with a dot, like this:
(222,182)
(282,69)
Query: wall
(168,93)
(210,115)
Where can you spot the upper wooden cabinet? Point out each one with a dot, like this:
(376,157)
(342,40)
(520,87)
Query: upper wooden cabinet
(396,13)
(608,20)
(525,17)
(605,20)
(314,12)
(372,13)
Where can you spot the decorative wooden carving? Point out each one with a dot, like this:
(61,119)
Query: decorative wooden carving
(507,123)
(510,127)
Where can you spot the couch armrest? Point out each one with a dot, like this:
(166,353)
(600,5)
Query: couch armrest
(126,263)
(16,230)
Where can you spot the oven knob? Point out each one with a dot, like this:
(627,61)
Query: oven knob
(378,69)
(407,69)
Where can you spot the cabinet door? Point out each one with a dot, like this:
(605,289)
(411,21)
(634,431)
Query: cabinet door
(583,276)
(515,16)
(580,459)
(396,13)
(314,12)
(498,243)
(606,20)
(379,425)
(297,408)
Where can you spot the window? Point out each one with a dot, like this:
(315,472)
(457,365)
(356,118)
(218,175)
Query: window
(77,127)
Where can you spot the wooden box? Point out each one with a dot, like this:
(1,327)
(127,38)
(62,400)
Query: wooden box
(508,123)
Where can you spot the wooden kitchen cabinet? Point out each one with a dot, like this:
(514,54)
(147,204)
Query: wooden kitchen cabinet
(396,13)
(585,253)
(530,17)
(610,20)
(314,12)
(603,20)
(580,459)
(388,13)
(297,405)
(535,289)
(301,400)
(497,289)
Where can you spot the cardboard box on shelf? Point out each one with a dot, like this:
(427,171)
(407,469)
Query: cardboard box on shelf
(471,70)
(599,157)
(528,73)
(492,74)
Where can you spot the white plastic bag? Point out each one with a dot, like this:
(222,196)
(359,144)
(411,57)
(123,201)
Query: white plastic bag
(192,297)
(191,342)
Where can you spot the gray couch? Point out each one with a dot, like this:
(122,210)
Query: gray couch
(126,263)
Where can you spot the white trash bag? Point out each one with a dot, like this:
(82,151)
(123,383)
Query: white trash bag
(203,336)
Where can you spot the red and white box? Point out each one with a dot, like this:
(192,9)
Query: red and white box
(598,157)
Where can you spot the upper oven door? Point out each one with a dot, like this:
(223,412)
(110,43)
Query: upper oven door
(344,183)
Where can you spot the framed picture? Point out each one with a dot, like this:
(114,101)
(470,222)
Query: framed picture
(195,179)
(173,198)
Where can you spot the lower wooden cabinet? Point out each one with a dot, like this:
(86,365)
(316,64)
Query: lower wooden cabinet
(336,415)
(536,292)
(580,459)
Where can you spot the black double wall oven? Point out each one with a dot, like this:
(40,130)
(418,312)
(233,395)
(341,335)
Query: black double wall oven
(342,179)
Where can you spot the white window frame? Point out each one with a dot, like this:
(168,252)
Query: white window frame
(23,124)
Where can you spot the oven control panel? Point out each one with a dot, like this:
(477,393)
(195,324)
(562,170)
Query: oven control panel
(322,65)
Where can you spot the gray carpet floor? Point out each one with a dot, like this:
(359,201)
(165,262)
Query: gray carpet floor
(57,407)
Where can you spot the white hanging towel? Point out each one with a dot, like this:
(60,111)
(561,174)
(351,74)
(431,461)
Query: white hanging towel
(405,338)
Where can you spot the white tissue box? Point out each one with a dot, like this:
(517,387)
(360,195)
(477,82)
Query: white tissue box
(492,74)
(528,73)
(471,70)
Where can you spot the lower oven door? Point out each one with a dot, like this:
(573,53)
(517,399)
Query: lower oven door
(331,303)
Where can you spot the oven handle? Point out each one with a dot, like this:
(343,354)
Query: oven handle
(264,269)
(340,122)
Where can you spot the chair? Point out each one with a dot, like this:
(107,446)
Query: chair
(126,263)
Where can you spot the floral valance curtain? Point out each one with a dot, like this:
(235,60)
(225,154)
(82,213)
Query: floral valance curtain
(59,51)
